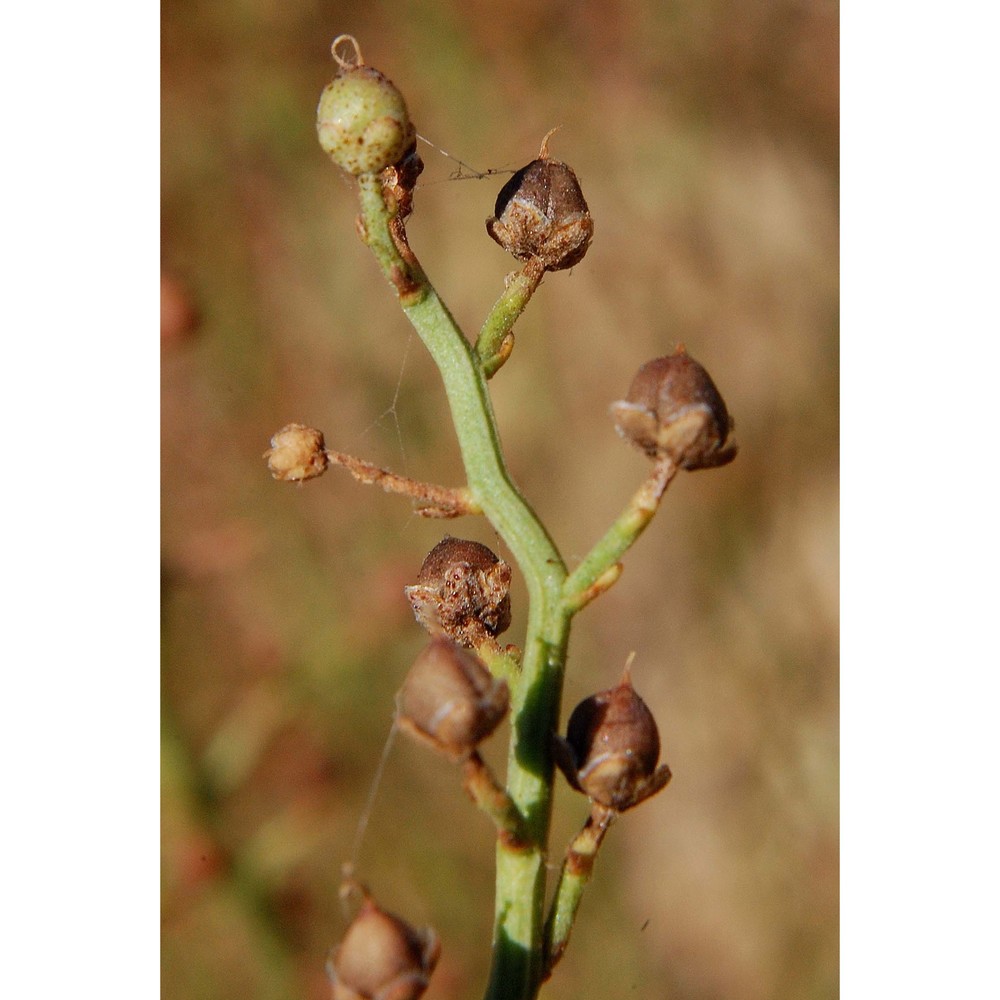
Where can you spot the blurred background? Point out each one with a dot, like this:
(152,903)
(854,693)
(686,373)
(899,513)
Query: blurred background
(705,137)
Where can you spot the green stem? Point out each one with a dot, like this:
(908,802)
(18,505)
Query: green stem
(496,340)
(598,570)
(489,796)
(517,952)
(576,872)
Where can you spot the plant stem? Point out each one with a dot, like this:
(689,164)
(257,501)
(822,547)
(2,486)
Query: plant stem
(432,500)
(517,948)
(495,339)
(576,871)
(486,792)
(596,573)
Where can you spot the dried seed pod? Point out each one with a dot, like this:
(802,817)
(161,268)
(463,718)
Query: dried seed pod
(382,957)
(362,119)
(297,452)
(612,747)
(674,409)
(450,699)
(462,590)
(541,214)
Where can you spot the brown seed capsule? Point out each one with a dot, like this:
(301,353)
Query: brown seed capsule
(612,747)
(450,699)
(462,590)
(541,214)
(297,452)
(674,409)
(382,957)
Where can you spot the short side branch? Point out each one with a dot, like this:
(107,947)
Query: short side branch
(598,570)
(577,868)
(432,500)
(496,340)
(489,795)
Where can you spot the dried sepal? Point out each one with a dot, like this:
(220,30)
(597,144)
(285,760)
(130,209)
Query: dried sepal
(297,452)
(673,409)
(398,182)
(382,957)
(541,214)
(462,590)
(612,747)
(450,699)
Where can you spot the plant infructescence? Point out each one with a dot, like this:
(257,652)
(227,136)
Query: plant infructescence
(466,681)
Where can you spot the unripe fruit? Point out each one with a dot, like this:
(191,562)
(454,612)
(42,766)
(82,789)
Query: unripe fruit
(673,409)
(362,120)
(450,699)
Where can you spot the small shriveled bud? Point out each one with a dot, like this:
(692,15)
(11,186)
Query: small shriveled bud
(297,452)
(541,214)
(612,747)
(450,699)
(382,957)
(462,590)
(673,409)
(362,119)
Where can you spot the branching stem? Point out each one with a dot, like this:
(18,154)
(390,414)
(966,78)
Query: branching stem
(517,951)
(521,958)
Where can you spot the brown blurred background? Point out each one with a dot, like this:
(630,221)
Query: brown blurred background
(705,136)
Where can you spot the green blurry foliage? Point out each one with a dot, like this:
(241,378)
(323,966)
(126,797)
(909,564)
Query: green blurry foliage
(706,142)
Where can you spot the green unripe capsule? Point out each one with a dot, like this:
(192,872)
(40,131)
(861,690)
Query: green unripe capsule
(362,121)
